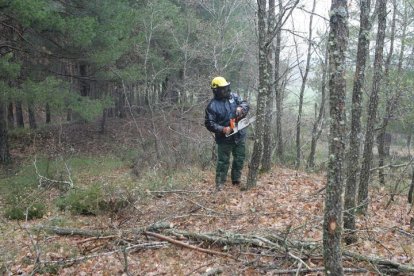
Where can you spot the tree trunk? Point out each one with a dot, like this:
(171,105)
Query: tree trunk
(317,126)
(48,113)
(353,154)
(69,115)
(278,93)
(4,144)
(121,103)
(10,116)
(372,108)
(32,117)
(267,135)
(19,114)
(403,39)
(83,83)
(410,192)
(261,97)
(389,102)
(302,90)
(332,225)
(103,121)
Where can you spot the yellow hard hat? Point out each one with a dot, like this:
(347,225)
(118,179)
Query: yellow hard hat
(219,82)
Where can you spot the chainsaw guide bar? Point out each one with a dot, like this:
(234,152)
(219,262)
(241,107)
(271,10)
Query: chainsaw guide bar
(243,123)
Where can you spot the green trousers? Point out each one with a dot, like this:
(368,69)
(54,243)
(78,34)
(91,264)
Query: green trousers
(223,161)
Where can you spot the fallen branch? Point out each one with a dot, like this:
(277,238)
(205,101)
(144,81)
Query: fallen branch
(223,239)
(45,179)
(170,240)
(276,271)
(213,272)
(272,242)
(101,233)
(392,166)
(405,233)
(96,238)
(204,207)
(379,261)
(200,267)
(132,248)
(176,191)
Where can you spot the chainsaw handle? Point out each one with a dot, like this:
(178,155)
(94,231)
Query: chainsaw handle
(232,123)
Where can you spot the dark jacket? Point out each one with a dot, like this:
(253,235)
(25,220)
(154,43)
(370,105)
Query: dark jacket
(218,115)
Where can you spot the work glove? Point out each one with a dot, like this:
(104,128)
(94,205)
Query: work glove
(227,130)
(239,112)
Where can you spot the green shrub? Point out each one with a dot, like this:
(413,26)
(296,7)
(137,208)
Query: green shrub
(36,210)
(95,199)
(82,201)
(22,198)
(50,269)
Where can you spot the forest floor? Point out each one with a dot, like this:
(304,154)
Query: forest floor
(286,203)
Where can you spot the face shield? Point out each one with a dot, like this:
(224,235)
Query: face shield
(222,92)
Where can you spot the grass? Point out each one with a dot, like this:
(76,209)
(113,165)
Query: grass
(101,184)
(23,198)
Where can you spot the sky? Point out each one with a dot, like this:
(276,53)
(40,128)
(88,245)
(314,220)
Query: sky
(300,23)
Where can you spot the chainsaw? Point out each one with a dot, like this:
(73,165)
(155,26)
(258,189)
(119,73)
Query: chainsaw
(236,125)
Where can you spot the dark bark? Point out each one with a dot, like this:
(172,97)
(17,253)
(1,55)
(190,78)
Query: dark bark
(372,108)
(10,116)
(19,114)
(47,113)
(84,86)
(32,117)
(302,90)
(278,94)
(318,124)
(69,115)
(267,132)
(261,98)
(4,143)
(355,137)
(121,104)
(389,103)
(332,225)
(103,121)
(410,192)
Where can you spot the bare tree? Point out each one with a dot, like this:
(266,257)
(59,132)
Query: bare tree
(332,226)
(275,90)
(4,146)
(10,115)
(19,114)
(267,135)
(392,96)
(318,124)
(372,107)
(354,140)
(304,76)
(261,97)
(278,92)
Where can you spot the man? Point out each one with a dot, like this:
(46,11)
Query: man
(223,107)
